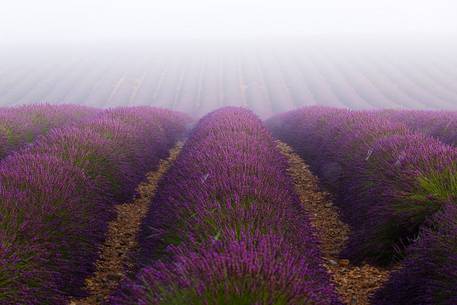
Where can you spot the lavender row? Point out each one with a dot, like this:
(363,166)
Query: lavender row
(21,125)
(57,195)
(391,183)
(226,226)
(429,274)
(387,179)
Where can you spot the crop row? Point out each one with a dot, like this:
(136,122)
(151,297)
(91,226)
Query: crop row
(226,226)
(396,188)
(57,195)
(21,125)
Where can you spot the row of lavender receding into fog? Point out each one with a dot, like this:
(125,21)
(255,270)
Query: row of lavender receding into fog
(57,194)
(396,188)
(218,232)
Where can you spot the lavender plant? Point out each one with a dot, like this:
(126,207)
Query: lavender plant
(428,275)
(438,124)
(21,125)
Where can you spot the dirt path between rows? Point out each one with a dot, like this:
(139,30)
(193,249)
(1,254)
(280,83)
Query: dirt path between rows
(114,263)
(354,284)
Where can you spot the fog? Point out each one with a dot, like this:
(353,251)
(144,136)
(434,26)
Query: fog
(197,55)
(145,20)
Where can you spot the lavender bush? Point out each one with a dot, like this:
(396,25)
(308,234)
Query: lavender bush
(21,125)
(49,229)
(406,180)
(429,273)
(438,124)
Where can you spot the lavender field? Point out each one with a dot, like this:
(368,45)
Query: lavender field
(230,152)
(143,205)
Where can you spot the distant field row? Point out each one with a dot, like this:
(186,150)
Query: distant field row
(267,80)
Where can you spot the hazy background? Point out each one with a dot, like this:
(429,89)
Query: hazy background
(197,55)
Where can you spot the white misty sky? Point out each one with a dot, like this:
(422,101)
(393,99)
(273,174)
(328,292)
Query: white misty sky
(92,20)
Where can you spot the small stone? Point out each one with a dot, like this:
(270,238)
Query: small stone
(344,262)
